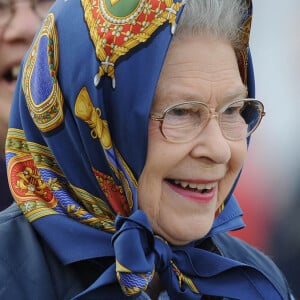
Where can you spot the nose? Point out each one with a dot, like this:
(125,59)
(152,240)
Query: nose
(23,23)
(211,144)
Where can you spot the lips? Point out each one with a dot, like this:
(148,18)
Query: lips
(197,187)
(199,192)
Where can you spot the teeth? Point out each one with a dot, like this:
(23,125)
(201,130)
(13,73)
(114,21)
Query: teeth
(183,184)
(15,71)
(198,186)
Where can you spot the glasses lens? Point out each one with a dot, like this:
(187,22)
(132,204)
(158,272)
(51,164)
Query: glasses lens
(252,114)
(184,121)
(241,118)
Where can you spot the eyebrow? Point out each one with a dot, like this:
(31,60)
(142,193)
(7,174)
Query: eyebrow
(234,94)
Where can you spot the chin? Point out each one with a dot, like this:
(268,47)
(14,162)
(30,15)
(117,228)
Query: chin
(181,236)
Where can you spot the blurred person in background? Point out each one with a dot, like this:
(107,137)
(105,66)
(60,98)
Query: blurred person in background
(19,20)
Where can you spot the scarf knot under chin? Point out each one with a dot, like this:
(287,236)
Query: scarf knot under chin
(186,272)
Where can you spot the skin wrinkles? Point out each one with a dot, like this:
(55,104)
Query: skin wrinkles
(204,71)
(209,157)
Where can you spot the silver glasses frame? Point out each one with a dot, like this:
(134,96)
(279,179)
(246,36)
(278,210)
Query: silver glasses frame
(213,113)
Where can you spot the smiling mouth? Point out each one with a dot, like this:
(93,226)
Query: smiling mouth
(11,74)
(203,188)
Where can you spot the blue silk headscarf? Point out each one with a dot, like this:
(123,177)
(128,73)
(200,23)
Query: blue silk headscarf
(77,144)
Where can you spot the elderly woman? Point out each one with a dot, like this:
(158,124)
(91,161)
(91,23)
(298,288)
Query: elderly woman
(128,132)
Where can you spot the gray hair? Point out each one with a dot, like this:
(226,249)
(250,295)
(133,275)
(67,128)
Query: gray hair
(221,18)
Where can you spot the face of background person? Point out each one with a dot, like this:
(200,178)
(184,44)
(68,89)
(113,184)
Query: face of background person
(20,20)
(196,69)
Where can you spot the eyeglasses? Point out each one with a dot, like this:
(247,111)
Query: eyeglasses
(7,9)
(182,122)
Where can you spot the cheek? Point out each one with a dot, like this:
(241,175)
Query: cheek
(161,159)
(238,155)
(161,155)
(156,149)
(154,134)
(149,184)
(149,194)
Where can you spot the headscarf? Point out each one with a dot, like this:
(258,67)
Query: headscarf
(77,144)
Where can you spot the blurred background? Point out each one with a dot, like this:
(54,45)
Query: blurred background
(269,189)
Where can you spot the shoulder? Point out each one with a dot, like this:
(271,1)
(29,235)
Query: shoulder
(20,253)
(9,216)
(239,250)
(25,260)
(15,231)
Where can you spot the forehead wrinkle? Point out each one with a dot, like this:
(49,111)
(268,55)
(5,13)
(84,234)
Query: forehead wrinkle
(203,72)
(235,93)
(220,79)
(187,93)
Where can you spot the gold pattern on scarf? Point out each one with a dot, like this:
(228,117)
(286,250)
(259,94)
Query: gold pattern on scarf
(183,279)
(34,193)
(114,193)
(114,34)
(113,2)
(31,182)
(85,110)
(46,113)
(103,216)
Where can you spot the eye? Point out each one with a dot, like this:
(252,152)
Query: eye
(191,109)
(230,110)
(179,112)
(235,108)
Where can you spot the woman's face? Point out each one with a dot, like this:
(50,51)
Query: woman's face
(18,25)
(196,69)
